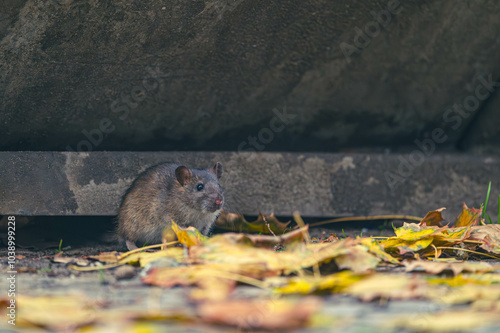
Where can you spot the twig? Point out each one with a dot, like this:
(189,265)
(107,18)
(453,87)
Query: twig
(126,254)
(367,218)
(307,237)
(475,252)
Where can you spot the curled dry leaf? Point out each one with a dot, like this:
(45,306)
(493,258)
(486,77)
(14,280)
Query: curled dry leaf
(433,218)
(236,222)
(490,236)
(290,240)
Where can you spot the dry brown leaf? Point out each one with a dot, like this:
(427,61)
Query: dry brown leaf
(63,313)
(236,222)
(447,321)
(278,314)
(395,287)
(470,292)
(433,267)
(106,257)
(289,240)
(432,218)
(489,234)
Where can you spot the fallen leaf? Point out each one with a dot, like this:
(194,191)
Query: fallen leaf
(378,250)
(392,286)
(214,281)
(468,217)
(432,218)
(277,314)
(106,257)
(188,236)
(447,321)
(289,240)
(438,267)
(236,222)
(308,284)
(490,236)
(63,313)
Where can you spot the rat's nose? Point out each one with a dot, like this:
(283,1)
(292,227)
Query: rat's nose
(218,202)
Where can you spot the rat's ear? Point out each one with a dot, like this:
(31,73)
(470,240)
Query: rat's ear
(183,174)
(217,169)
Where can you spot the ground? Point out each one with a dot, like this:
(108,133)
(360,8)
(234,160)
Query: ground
(39,274)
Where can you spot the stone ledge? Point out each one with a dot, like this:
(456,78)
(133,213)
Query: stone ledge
(318,185)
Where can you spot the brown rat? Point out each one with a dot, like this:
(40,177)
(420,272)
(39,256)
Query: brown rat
(166,192)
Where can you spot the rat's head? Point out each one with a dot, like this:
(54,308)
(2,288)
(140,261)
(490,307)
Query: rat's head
(200,188)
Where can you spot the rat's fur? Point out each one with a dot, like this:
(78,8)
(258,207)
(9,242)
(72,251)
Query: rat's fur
(160,194)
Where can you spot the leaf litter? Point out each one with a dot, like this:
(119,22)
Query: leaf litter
(427,260)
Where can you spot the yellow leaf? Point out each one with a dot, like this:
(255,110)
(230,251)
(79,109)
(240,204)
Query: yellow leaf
(188,236)
(375,248)
(412,232)
(308,284)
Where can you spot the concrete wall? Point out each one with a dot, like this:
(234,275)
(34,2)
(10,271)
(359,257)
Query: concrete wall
(206,75)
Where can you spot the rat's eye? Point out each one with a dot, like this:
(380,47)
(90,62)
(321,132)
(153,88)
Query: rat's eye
(200,187)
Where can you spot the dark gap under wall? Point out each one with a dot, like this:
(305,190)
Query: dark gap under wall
(46,232)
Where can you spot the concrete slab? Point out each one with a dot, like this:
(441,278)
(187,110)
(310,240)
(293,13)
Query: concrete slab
(318,185)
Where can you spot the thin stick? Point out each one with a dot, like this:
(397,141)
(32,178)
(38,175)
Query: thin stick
(307,237)
(367,218)
(435,251)
(268,226)
(126,254)
(94,268)
(475,252)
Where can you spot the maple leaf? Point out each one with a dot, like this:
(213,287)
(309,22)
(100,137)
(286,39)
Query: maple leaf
(468,217)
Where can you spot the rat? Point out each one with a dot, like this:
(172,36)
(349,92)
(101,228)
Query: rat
(166,192)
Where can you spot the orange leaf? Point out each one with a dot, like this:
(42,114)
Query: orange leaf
(468,217)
